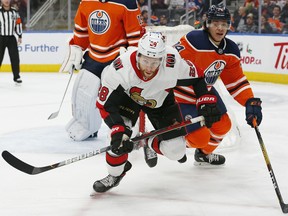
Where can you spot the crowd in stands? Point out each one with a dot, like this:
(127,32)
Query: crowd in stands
(273,20)
(245,19)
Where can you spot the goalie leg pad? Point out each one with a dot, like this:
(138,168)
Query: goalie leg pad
(86,117)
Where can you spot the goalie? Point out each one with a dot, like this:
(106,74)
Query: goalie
(102,28)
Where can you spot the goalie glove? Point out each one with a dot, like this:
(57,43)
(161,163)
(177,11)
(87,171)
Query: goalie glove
(120,142)
(73,59)
(207,107)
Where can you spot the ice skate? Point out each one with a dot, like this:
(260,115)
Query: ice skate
(110,181)
(202,159)
(150,156)
(18,81)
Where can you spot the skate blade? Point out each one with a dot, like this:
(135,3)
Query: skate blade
(208,165)
(152,162)
(93,194)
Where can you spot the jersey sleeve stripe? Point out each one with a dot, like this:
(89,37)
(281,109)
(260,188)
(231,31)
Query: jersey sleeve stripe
(133,34)
(235,83)
(78,27)
(80,35)
(240,90)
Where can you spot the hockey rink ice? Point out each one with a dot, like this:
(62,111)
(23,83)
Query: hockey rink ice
(242,187)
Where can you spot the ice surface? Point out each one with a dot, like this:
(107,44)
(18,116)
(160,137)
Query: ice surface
(242,187)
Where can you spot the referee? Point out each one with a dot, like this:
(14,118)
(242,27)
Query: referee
(10,23)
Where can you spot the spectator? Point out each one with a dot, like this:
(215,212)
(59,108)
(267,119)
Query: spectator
(250,26)
(240,19)
(163,20)
(265,25)
(276,21)
(267,8)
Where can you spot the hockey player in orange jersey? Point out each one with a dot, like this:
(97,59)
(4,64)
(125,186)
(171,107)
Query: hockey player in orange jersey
(101,29)
(218,56)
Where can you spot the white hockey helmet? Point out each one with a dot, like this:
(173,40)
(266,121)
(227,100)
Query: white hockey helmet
(152,44)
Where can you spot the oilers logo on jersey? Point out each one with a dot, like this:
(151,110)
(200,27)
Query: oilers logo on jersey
(99,21)
(213,71)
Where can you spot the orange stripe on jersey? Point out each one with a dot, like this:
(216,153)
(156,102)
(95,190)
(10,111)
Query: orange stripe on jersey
(103,28)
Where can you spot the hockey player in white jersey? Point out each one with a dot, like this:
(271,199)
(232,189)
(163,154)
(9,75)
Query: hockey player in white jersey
(143,79)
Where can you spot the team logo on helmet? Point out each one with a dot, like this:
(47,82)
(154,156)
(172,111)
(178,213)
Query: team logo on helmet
(213,71)
(99,21)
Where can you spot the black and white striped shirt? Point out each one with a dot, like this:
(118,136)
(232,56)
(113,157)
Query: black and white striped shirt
(10,22)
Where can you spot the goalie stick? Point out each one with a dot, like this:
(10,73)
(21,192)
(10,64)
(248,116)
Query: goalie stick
(284,206)
(32,170)
(55,114)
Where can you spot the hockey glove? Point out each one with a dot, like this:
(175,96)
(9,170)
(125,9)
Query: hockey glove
(253,110)
(73,59)
(207,107)
(120,142)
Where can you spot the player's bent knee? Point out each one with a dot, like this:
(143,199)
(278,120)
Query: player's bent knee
(198,138)
(174,149)
(223,126)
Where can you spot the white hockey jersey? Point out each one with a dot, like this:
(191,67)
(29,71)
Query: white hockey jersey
(123,72)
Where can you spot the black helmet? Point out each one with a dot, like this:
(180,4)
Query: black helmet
(217,12)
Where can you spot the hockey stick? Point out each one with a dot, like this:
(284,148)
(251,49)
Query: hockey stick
(29,169)
(55,114)
(284,206)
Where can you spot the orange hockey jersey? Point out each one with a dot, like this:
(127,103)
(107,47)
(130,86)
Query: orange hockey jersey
(223,61)
(103,28)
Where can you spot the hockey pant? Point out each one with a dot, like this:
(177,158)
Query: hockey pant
(202,137)
(209,139)
(86,117)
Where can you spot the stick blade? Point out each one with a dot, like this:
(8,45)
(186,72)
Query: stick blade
(17,163)
(284,207)
(53,115)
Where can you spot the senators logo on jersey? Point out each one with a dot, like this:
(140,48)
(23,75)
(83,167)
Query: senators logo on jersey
(135,94)
(99,21)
